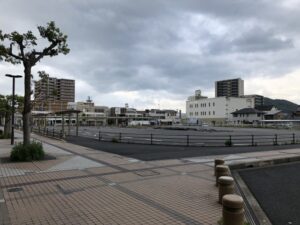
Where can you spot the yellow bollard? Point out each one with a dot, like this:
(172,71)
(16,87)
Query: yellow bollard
(226,186)
(221,170)
(233,210)
(217,163)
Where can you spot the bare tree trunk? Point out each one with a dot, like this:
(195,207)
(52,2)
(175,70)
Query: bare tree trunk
(27,105)
(7,124)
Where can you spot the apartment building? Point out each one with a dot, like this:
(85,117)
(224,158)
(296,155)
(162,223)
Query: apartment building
(217,110)
(52,94)
(229,88)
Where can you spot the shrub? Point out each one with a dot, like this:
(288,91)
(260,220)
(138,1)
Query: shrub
(30,152)
(228,143)
(115,140)
(3,136)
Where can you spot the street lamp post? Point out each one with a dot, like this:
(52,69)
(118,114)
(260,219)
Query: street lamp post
(13,107)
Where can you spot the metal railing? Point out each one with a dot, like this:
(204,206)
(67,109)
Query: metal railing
(200,140)
(181,140)
(49,132)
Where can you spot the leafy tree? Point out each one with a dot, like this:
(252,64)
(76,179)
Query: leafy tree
(42,101)
(5,110)
(19,48)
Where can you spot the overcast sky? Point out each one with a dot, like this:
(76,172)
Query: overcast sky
(154,54)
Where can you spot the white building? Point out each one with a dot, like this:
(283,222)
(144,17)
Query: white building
(215,110)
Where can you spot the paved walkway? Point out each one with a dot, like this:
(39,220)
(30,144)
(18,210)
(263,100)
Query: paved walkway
(84,186)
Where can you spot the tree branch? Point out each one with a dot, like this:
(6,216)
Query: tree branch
(12,54)
(45,52)
(21,49)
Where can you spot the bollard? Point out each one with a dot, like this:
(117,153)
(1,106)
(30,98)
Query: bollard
(221,170)
(217,163)
(226,186)
(233,210)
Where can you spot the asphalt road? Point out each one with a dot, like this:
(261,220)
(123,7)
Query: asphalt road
(277,190)
(159,152)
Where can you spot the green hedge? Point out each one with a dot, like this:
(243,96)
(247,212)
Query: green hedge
(25,153)
(2,136)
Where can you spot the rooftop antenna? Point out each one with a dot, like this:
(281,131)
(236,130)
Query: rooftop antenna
(89,100)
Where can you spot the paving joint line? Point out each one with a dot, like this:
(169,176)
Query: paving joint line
(91,174)
(4,216)
(191,174)
(172,213)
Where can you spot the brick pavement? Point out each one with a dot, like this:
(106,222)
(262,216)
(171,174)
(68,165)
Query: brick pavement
(84,186)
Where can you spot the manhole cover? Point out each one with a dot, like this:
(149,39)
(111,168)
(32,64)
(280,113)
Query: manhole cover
(146,173)
(16,189)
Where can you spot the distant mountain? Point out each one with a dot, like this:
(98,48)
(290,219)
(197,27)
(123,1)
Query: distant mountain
(281,104)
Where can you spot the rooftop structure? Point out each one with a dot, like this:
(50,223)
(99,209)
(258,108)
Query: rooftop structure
(229,88)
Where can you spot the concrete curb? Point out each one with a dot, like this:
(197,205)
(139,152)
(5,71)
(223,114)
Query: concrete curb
(254,213)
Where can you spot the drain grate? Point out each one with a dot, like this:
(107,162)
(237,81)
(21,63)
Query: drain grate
(146,173)
(16,189)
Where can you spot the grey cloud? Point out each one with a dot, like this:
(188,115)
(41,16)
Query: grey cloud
(253,40)
(137,45)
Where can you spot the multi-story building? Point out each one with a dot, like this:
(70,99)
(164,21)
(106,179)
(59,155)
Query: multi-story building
(66,90)
(82,106)
(258,99)
(215,110)
(89,116)
(52,94)
(229,88)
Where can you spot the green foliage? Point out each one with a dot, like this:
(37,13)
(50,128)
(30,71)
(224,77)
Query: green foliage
(228,143)
(25,44)
(5,103)
(25,153)
(115,140)
(3,135)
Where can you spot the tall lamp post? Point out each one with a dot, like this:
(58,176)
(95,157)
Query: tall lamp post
(13,107)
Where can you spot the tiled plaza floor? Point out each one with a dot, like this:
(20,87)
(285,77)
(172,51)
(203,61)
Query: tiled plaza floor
(84,186)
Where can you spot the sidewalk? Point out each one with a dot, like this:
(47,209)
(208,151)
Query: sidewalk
(84,186)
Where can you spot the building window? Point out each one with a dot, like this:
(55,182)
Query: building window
(209,104)
(213,104)
(213,112)
(209,113)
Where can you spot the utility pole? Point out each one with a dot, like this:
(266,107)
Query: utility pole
(13,107)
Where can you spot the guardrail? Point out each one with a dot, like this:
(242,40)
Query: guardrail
(182,140)
(54,133)
(200,140)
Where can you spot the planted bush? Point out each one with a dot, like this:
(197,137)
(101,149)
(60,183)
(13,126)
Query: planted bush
(115,140)
(25,153)
(228,143)
(4,136)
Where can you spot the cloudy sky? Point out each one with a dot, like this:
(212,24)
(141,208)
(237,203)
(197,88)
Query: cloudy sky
(154,54)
